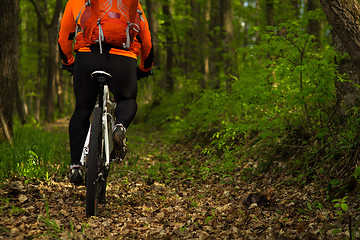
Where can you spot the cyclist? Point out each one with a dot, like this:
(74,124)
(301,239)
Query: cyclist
(120,63)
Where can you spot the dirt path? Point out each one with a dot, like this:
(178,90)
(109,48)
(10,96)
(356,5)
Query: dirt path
(186,209)
(171,207)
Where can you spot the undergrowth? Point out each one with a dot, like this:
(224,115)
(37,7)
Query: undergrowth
(281,111)
(35,153)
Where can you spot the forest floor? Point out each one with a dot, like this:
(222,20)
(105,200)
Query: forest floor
(173,205)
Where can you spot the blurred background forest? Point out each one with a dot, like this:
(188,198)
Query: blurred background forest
(262,79)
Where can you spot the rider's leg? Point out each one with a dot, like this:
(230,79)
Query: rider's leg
(125,112)
(124,87)
(85,91)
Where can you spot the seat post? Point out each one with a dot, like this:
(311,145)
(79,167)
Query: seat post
(103,78)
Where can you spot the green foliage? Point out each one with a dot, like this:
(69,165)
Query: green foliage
(341,206)
(52,225)
(357,173)
(281,106)
(34,154)
(300,80)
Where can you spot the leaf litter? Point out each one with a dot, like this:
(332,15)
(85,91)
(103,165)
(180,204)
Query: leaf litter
(170,207)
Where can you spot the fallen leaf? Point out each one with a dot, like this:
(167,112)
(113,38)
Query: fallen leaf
(22,198)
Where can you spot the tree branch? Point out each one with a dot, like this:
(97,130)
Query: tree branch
(55,16)
(5,128)
(37,11)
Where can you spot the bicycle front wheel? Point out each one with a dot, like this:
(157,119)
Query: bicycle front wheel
(92,174)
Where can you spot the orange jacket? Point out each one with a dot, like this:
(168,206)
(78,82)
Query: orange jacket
(142,46)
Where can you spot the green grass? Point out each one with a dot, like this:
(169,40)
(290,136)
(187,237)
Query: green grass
(35,153)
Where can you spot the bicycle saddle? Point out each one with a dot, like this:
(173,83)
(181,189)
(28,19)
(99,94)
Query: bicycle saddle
(101,76)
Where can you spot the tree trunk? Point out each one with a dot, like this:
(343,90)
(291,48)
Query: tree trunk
(295,4)
(168,81)
(152,7)
(229,51)
(314,25)
(40,72)
(257,21)
(50,87)
(346,92)
(60,85)
(196,46)
(20,105)
(270,13)
(206,46)
(216,41)
(52,30)
(344,16)
(9,12)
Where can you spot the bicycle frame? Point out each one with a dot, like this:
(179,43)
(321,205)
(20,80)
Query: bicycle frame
(107,105)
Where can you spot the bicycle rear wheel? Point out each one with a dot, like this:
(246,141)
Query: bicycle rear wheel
(93,164)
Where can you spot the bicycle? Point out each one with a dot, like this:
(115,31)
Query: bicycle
(95,159)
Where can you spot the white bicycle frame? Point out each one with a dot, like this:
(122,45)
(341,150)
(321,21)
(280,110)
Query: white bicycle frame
(106,140)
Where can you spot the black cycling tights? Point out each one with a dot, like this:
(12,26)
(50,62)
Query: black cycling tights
(123,85)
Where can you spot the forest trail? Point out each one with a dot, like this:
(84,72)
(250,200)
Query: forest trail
(169,207)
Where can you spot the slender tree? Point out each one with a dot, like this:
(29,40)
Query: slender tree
(152,7)
(40,70)
(269,12)
(216,41)
(52,29)
(229,52)
(9,12)
(168,80)
(314,25)
(206,45)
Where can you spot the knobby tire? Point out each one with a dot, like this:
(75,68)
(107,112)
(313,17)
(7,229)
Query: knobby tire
(92,181)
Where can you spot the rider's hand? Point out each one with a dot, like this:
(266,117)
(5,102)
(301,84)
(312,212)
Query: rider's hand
(69,68)
(141,74)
